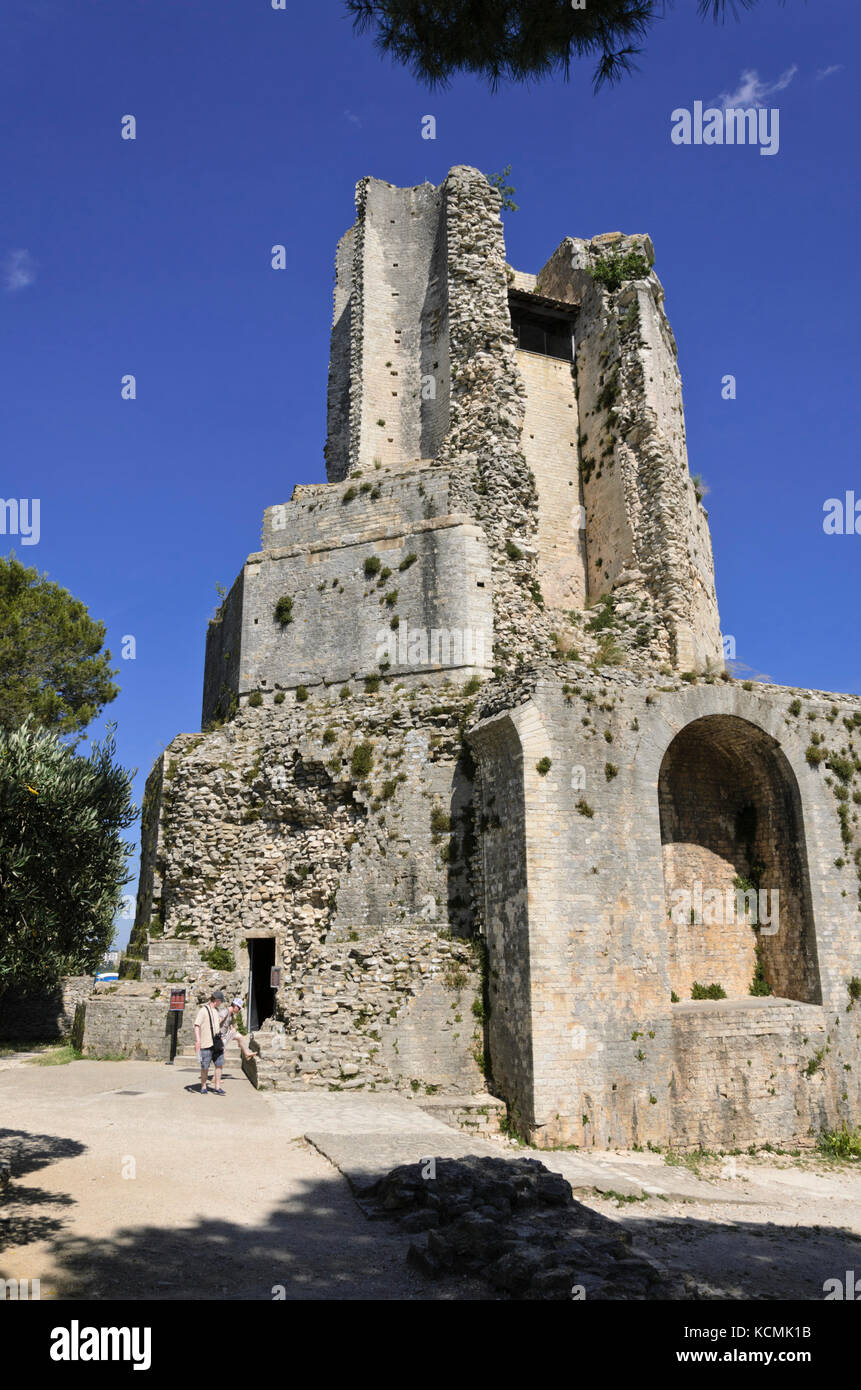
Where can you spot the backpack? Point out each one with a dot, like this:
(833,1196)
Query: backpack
(217,1040)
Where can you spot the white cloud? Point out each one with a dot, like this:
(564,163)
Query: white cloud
(351,116)
(826,72)
(19,271)
(752,91)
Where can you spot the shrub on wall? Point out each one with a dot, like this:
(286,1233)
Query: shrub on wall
(219,958)
(284,610)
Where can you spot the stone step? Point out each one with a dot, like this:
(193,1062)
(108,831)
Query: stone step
(478,1114)
(171,949)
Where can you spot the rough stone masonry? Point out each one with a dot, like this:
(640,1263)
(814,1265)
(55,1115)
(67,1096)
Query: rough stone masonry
(468,739)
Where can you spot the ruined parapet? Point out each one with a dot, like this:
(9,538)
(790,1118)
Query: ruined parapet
(388,333)
(647,531)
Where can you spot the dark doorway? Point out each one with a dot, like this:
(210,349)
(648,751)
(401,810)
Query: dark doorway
(261,995)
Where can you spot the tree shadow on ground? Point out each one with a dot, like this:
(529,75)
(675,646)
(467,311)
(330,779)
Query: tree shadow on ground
(753,1260)
(317,1245)
(21,1223)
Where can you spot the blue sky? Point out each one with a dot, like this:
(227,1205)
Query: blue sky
(151,257)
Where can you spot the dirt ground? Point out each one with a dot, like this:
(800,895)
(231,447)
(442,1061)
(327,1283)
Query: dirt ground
(127,1183)
(785,1226)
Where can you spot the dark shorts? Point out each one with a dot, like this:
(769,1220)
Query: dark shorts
(207,1059)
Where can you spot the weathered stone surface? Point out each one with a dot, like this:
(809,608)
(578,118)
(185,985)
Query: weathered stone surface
(464,856)
(512,1222)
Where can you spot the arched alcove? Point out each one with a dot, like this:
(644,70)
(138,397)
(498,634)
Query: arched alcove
(732,837)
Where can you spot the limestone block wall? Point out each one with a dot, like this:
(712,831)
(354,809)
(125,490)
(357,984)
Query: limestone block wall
(550,428)
(748,1069)
(389,331)
(644,522)
(337,448)
(138,1029)
(382,576)
(601,1038)
(501,886)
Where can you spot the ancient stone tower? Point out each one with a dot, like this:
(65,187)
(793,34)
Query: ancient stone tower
(476,807)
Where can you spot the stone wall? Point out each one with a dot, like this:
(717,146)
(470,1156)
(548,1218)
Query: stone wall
(550,428)
(42,1015)
(348,619)
(646,530)
(268,826)
(597,958)
(748,1069)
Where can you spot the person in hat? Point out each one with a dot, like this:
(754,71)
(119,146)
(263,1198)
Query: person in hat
(208,1042)
(230,1030)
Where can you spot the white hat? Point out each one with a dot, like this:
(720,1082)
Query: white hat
(238,1003)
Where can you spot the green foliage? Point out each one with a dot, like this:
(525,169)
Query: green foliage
(815,755)
(372,684)
(349,495)
(62,860)
(472,685)
(609,652)
(585,809)
(301,693)
(759,985)
(840,1143)
(330,735)
(543,766)
(219,958)
(701,487)
(362,760)
(613,269)
(609,393)
(674,998)
(505,190)
(854,988)
(372,565)
(440,821)
(707,991)
(513,551)
(284,610)
(255,699)
(841,767)
(513,40)
(795,707)
(52,666)
(408,560)
(279,697)
(610,771)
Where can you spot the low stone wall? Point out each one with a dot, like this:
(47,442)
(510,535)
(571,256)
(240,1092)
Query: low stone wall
(44,1015)
(125,1026)
(745,1068)
(481,1114)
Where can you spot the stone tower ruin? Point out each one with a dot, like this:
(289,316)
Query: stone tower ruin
(476,809)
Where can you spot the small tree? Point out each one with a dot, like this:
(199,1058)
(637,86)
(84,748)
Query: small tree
(51,661)
(506,190)
(62,860)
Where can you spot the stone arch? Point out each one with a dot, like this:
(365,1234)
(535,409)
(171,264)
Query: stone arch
(731,818)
